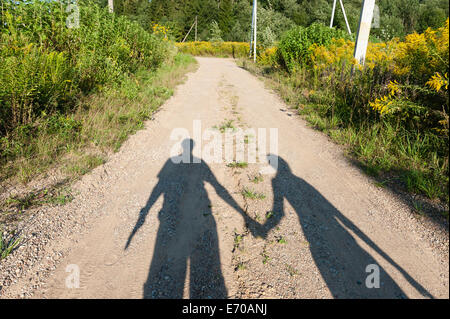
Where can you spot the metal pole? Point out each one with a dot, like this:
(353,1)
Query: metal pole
(332,13)
(111,6)
(251,33)
(255,33)
(188,32)
(362,37)
(196,25)
(345,17)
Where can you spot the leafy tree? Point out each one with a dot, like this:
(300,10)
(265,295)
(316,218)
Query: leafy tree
(397,17)
(271,25)
(225,18)
(238,33)
(431,14)
(215,32)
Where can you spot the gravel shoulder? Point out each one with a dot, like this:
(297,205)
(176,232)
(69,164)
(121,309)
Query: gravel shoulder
(325,220)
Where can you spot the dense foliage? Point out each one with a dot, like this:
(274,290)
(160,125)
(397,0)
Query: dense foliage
(294,46)
(72,92)
(397,17)
(45,64)
(402,80)
(393,110)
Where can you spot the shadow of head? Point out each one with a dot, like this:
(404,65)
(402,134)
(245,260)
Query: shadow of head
(277,163)
(187,145)
(186,156)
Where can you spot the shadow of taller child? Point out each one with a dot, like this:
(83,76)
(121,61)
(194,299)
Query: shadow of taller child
(186,249)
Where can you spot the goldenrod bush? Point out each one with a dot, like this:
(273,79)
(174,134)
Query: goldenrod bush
(268,56)
(68,92)
(405,80)
(393,111)
(218,49)
(294,47)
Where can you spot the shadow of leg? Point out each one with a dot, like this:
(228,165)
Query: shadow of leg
(206,275)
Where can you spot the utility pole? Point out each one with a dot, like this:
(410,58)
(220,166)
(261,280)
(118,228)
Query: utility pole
(332,13)
(253,35)
(193,24)
(345,15)
(362,37)
(111,6)
(196,25)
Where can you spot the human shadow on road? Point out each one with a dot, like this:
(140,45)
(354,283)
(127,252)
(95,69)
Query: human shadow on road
(186,248)
(340,259)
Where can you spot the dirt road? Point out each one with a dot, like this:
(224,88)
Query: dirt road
(157,229)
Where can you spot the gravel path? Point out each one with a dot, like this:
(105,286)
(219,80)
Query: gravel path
(142,226)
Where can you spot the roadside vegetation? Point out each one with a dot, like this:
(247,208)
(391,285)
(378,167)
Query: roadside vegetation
(216,49)
(8,243)
(70,96)
(392,113)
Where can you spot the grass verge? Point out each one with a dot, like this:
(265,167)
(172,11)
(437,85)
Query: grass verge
(78,142)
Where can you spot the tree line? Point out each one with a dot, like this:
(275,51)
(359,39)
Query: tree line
(231,19)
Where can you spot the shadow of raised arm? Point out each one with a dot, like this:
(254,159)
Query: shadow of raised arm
(157,191)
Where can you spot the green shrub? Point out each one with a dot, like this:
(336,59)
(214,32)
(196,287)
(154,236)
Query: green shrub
(293,49)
